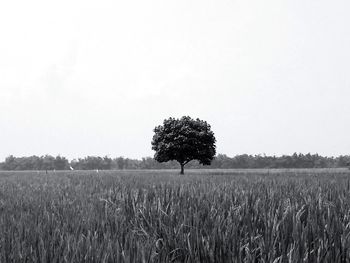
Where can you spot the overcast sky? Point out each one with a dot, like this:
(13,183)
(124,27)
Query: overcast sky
(83,77)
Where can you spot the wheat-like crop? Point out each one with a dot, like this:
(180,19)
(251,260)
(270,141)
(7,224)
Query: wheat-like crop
(162,217)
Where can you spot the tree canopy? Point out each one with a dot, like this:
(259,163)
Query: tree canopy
(184,140)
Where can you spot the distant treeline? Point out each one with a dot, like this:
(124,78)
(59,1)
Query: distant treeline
(48,162)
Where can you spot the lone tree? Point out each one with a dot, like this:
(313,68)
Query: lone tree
(184,140)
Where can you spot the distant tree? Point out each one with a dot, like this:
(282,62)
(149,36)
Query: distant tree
(120,163)
(342,161)
(61,163)
(10,163)
(48,162)
(106,163)
(184,140)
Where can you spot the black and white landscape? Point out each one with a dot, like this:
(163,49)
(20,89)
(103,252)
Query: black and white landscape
(174,131)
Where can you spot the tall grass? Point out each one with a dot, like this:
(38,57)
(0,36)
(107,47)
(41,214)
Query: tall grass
(162,217)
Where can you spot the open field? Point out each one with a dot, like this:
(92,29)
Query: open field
(159,216)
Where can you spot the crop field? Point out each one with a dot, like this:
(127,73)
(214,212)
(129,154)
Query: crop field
(160,216)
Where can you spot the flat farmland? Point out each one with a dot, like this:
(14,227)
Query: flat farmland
(292,215)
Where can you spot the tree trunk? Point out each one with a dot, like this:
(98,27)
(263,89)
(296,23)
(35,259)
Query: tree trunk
(182,168)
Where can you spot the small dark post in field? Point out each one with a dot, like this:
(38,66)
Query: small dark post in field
(184,140)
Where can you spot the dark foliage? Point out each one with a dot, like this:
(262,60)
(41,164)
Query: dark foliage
(46,162)
(92,163)
(184,140)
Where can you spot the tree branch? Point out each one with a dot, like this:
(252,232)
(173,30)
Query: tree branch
(187,162)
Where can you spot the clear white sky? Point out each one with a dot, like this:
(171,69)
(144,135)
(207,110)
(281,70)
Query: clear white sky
(83,77)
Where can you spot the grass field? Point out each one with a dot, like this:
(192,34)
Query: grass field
(159,216)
